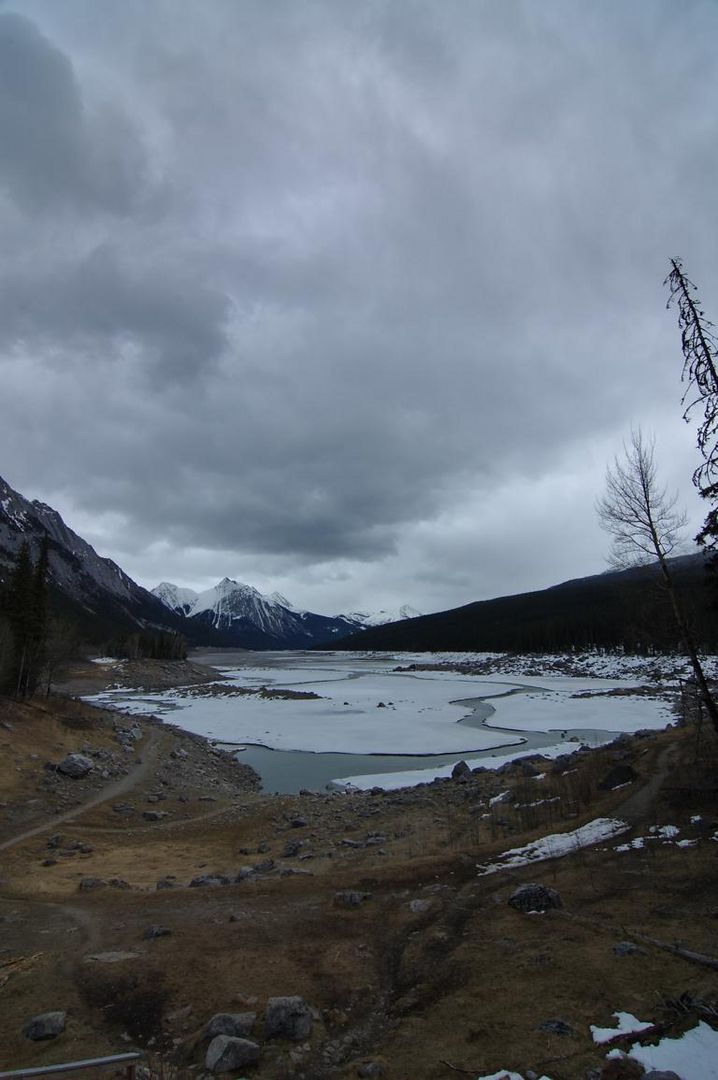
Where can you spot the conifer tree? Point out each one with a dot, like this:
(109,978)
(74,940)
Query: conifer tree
(700,374)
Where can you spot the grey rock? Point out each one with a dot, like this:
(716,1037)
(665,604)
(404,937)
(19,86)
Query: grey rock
(370,1069)
(291,848)
(226,1053)
(627,948)
(298,823)
(123,808)
(154,815)
(118,883)
(246,873)
(418,907)
(287,1018)
(532,897)
(375,840)
(166,883)
(75,766)
(45,1026)
(350,898)
(159,931)
(461,769)
(346,842)
(89,883)
(209,881)
(237,1025)
(556,1027)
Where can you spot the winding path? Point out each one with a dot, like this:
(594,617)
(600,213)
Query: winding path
(120,787)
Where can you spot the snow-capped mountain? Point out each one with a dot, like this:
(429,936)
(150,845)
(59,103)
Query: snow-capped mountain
(247,618)
(174,597)
(382,617)
(85,587)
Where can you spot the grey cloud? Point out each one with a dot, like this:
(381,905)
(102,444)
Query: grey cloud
(109,308)
(54,154)
(393,260)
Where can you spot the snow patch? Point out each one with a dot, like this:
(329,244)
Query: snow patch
(556,845)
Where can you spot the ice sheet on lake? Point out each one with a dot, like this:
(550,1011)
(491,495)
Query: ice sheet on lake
(365,707)
(409,777)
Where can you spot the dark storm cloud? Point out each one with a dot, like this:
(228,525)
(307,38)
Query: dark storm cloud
(53,153)
(358,295)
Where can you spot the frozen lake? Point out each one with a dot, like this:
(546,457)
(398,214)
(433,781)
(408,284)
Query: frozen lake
(371,725)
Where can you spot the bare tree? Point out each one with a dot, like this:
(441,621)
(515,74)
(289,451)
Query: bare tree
(645,524)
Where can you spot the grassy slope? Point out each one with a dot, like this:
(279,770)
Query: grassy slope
(467,981)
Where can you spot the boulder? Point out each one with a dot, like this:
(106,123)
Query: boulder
(235,1024)
(45,1026)
(209,881)
(617,776)
(75,766)
(556,1027)
(350,898)
(532,897)
(287,1018)
(226,1053)
(88,883)
(461,769)
(162,931)
(627,948)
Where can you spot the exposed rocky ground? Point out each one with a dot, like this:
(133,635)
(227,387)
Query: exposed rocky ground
(156,897)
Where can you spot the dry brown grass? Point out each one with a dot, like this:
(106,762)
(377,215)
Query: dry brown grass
(467,981)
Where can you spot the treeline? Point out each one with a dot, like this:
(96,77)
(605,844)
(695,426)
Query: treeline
(35,638)
(150,645)
(628,610)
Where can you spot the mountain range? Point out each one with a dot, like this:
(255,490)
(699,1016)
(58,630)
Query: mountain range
(241,615)
(98,597)
(624,609)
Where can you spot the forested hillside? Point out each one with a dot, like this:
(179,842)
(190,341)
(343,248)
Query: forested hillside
(628,609)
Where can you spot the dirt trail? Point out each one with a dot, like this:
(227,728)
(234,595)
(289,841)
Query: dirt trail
(637,807)
(112,791)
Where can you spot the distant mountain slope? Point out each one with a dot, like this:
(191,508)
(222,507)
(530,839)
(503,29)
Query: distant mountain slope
(626,609)
(90,591)
(243,617)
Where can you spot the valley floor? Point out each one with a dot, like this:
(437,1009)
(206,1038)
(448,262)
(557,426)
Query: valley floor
(387,911)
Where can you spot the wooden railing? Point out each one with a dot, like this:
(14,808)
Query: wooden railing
(129,1060)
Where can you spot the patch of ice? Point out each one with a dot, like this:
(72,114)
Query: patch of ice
(556,845)
(632,845)
(506,1074)
(627,1024)
(666,832)
(686,843)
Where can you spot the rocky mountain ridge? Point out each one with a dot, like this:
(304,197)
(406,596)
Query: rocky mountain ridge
(91,591)
(250,619)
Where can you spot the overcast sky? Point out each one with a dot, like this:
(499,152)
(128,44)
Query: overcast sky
(352,299)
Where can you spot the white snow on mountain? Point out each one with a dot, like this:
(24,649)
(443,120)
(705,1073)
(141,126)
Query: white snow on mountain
(230,600)
(380,618)
(175,597)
